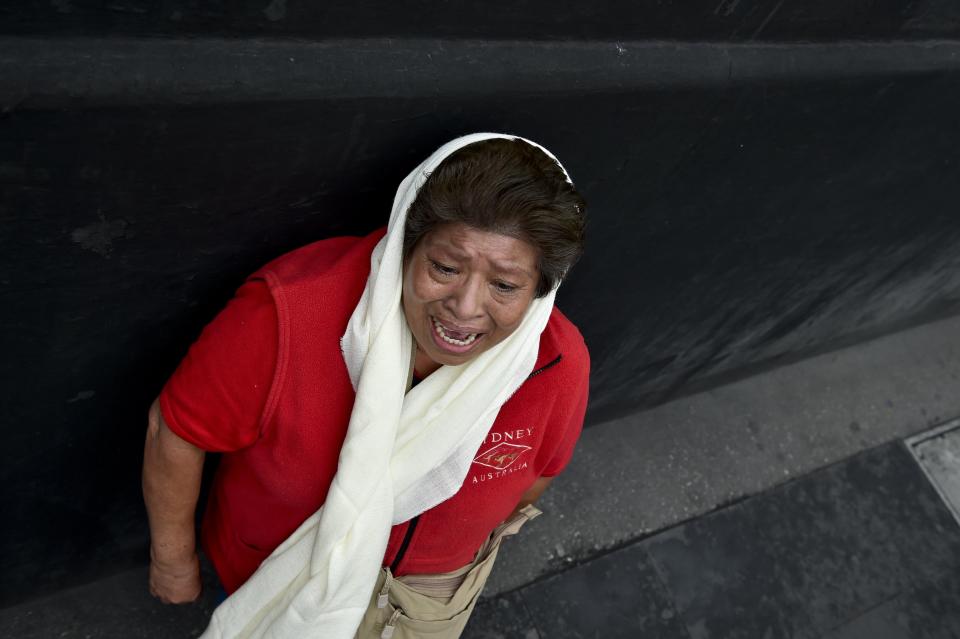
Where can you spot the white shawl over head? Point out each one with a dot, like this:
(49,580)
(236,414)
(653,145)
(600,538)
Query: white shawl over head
(403,454)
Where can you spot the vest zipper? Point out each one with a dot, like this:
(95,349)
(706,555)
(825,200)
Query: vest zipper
(413,522)
(403,546)
(550,364)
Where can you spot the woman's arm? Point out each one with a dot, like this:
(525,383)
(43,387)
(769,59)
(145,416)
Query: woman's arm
(172,469)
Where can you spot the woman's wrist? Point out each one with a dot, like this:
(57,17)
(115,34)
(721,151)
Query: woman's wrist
(173,548)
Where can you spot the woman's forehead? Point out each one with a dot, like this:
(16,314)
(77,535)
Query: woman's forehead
(504,252)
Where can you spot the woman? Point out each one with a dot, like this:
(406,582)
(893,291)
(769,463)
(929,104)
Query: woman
(389,408)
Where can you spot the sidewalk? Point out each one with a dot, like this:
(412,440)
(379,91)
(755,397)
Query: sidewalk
(787,505)
(863,549)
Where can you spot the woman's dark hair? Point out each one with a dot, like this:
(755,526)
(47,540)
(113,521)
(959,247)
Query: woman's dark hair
(504,186)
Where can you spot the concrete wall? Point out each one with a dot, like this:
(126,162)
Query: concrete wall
(766,181)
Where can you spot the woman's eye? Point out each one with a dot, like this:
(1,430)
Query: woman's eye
(503,287)
(443,269)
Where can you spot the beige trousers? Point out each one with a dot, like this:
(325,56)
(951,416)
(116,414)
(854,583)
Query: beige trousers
(434,606)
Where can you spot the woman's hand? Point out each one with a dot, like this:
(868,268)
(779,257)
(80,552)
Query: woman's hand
(175,582)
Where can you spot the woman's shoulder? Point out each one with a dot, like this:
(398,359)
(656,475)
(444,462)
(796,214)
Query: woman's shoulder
(561,338)
(328,259)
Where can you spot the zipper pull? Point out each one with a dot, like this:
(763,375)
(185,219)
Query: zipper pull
(384,595)
(391,625)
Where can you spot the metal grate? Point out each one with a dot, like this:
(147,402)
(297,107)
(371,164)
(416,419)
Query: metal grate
(938,453)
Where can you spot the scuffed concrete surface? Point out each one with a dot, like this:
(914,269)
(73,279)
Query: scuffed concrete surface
(633,476)
(117,606)
(99,236)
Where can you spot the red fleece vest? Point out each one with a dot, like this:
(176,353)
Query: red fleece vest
(262,492)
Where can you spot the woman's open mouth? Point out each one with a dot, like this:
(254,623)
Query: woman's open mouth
(451,340)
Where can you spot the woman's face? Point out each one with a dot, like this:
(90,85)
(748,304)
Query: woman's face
(466,290)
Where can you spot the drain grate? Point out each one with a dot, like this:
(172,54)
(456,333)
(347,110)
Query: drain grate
(938,453)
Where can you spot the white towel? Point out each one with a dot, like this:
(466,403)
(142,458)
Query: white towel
(402,454)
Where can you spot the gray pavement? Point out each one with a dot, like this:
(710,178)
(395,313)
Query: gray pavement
(865,548)
(658,468)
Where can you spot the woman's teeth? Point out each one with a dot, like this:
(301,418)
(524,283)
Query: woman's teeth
(450,340)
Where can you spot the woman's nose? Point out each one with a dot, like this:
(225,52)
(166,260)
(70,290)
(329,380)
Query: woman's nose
(466,301)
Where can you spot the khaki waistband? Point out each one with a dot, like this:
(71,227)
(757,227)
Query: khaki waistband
(445,585)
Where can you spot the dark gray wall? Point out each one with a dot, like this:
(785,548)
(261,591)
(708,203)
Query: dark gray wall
(531,19)
(751,202)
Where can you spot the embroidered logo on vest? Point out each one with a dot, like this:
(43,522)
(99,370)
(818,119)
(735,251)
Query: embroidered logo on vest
(501,456)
